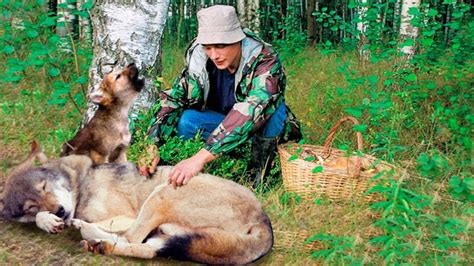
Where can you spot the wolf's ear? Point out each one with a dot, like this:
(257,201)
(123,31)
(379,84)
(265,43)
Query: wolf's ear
(96,97)
(41,186)
(37,152)
(1,204)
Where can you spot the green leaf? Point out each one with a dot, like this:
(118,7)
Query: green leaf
(87,5)
(427,42)
(362,128)
(373,79)
(380,240)
(81,80)
(322,253)
(317,169)
(432,12)
(57,101)
(8,49)
(469,182)
(408,42)
(410,77)
(31,33)
(292,157)
(354,112)
(310,158)
(54,72)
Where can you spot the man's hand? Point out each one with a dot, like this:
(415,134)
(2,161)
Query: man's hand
(186,169)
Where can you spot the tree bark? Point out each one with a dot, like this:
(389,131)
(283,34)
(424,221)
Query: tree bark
(362,27)
(248,14)
(85,31)
(311,22)
(407,30)
(65,18)
(125,32)
(396,15)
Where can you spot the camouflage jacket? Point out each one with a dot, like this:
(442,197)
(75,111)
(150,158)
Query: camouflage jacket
(259,90)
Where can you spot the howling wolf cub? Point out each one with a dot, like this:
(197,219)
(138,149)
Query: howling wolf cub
(106,137)
(210,220)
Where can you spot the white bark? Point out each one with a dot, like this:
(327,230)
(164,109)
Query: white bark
(124,32)
(85,31)
(396,15)
(65,18)
(362,28)
(248,14)
(407,30)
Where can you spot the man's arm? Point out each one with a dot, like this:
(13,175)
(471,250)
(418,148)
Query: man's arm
(244,118)
(190,167)
(250,115)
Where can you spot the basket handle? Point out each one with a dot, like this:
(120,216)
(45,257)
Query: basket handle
(330,137)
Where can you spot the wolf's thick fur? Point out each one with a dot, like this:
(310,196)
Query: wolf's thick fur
(106,137)
(209,220)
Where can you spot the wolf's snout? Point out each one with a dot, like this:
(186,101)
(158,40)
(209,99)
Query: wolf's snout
(133,75)
(61,211)
(132,70)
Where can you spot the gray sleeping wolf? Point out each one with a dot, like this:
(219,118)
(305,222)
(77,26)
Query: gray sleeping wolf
(210,220)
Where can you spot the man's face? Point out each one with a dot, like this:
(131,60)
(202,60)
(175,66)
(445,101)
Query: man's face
(224,56)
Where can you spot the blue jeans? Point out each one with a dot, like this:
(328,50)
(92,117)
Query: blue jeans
(192,121)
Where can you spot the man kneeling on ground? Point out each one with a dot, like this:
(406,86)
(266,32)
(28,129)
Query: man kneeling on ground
(230,91)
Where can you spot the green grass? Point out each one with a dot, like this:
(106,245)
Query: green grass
(319,91)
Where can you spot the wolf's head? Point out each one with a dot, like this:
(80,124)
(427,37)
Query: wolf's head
(119,87)
(49,187)
(37,189)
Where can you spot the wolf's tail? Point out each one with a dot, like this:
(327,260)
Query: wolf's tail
(35,154)
(216,246)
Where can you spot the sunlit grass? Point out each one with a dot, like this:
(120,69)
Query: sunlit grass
(318,92)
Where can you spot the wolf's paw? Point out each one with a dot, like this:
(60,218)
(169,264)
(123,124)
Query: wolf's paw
(97,246)
(77,223)
(49,222)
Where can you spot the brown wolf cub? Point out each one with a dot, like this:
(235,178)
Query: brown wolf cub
(107,136)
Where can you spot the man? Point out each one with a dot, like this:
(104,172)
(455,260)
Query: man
(230,91)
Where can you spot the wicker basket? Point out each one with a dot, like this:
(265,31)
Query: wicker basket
(336,182)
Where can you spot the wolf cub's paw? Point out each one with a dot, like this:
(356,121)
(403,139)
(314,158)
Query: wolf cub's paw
(49,222)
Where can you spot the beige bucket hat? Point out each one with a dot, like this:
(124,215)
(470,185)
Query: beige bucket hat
(218,24)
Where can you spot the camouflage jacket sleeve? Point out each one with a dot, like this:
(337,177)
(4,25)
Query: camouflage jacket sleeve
(264,95)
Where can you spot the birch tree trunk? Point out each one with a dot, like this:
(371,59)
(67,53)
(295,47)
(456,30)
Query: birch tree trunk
(407,30)
(65,18)
(248,14)
(396,15)
(85,31)
(123,32)
(362,28)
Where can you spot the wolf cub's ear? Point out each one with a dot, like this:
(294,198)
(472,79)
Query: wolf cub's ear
(96,97)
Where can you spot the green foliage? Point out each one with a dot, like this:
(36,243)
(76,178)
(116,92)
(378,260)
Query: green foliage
(415,112)
(462,188)
(288,36)
(29,44)
(338,249)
